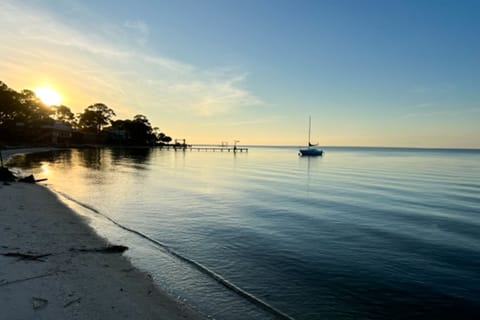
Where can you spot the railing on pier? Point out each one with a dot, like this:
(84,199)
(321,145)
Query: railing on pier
(205,148)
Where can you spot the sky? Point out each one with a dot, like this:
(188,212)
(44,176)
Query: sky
(369,73)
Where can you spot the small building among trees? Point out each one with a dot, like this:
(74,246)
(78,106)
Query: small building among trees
(58,133)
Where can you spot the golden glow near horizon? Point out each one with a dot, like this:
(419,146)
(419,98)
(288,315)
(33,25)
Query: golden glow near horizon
(48,96)
(226,94)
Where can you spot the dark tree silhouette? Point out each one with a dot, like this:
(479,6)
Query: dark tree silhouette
(8,104)
(163,138)
(33,107)
(22,115)
(21,107)
(64,114)
(95,117)
(138,131)
(24,118)
(141,130)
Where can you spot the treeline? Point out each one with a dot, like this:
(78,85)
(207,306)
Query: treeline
(25,119)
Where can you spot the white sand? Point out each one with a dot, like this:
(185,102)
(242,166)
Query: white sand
(68,284)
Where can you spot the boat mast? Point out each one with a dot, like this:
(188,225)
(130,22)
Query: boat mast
(309,129)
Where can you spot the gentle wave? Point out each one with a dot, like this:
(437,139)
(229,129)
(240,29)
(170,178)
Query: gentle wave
(196,264)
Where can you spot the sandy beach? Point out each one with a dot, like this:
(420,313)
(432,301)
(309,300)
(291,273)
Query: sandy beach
(53,266)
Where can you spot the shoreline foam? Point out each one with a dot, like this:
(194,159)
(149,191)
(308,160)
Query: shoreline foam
(68,284)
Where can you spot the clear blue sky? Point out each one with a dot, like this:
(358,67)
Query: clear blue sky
(381,73)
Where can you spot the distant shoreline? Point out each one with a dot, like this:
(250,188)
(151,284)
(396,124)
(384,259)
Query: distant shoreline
(9,153)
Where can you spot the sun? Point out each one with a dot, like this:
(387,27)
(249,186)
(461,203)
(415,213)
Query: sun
(48,96)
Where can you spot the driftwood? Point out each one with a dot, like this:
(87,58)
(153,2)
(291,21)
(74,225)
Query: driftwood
(7,283)
(66,305)
(107,249)
(29,179)
(8,176)
(38,257)
(24,256)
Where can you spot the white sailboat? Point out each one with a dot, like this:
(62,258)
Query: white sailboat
(311,150)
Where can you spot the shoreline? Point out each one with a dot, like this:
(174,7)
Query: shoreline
(7,154)
(49,270)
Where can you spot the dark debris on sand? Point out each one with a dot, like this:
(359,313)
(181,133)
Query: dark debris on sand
(8,176)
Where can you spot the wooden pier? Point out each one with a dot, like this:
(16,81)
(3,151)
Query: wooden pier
(206,148)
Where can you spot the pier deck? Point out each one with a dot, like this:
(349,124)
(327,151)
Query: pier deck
(206,148)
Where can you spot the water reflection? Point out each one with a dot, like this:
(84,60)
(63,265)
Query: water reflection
(93,158)
(135,155)
(36,160)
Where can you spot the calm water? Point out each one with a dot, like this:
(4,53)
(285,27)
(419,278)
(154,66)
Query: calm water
(357,234)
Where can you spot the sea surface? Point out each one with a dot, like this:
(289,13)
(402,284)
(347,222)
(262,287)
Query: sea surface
(360,233)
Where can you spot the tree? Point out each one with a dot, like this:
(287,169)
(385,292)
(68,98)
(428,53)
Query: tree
(142,119)
(12,112)
(21,106)
(163,138)
(8,104)
(95,117)
(22,115)
(141,130)
(33,109)
(64,114)
(137,131)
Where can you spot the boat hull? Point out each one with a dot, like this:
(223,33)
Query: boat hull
(311,152)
